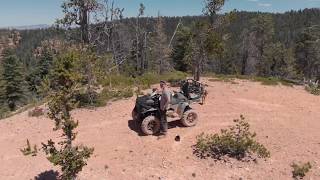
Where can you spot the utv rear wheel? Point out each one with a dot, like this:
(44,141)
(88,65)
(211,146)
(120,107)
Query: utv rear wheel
(190,118)
(150,125)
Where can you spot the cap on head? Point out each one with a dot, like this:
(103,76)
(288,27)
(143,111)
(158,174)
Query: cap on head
(163,84)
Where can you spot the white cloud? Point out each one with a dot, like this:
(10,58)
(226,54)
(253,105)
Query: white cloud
(265,4)
(253,0)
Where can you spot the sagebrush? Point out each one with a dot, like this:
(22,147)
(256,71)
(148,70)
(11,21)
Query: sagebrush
(313,88)
(300,170)
(236,142)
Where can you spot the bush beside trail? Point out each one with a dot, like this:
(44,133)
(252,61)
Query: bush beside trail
(236,142)
(313,88)
(300,170)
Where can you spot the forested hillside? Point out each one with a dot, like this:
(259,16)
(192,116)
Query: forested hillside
(247,43)
(286,31)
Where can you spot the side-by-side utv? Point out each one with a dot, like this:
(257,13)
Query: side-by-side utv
(192,90)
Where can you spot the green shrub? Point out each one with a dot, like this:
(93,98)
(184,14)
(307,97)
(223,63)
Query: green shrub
(28,150)
(144,81)
(122,86)
(93,100)
(313,88)
(101,99)
(287,83)
(3,112)
(236,142)
(147,80)
(108,94)
(269,81)
(172,77)
(123,93)
(175,78)
(117,81)
(300,171)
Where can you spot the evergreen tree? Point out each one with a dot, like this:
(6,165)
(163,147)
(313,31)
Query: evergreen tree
(277,62)
(204,41)
(77,12)
(308,52)
(3,102)
(256,40)
(64,81)
(243,43)
(180,50)
(13,89)
(132,66)
(43,65)
(204,46)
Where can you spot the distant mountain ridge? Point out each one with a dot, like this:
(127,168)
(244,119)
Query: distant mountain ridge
(28,27)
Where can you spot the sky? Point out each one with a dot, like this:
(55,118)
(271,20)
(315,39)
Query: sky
(34,12)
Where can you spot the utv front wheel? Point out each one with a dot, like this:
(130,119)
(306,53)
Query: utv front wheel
(150,125)
(190,118)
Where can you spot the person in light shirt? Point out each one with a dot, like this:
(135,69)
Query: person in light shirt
(164,106)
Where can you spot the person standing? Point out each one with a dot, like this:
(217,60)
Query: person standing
(164,106)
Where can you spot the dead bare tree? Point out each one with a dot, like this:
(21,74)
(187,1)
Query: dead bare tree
(107,35)
(160,48)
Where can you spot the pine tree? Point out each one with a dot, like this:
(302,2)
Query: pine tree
(13,89)
(3,102)
(36,77)
(308,52)
(77,12)
(277,61)
(45,63)
(180,50)
(64,81)
(256,41)
(204,41)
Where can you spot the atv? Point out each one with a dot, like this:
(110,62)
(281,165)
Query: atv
(146,112)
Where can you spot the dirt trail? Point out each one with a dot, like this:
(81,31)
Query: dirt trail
(286,119)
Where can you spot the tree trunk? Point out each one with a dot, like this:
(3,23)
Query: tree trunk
(196,71)
(84,24)
(67,129)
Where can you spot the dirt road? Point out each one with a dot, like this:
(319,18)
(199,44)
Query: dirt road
(287,121)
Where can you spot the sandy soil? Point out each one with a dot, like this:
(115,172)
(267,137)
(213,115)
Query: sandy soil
(286,119)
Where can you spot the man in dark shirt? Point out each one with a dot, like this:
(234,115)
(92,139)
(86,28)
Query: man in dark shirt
(164,106)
